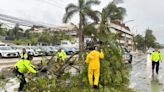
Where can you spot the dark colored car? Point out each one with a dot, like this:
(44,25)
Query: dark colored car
(127,56)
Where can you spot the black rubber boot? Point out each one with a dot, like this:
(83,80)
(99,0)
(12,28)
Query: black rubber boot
(95,86)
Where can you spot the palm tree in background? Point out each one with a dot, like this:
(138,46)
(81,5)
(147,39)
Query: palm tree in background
(3,31)
(109,13)
(112,12)
(84,10)
(17,31)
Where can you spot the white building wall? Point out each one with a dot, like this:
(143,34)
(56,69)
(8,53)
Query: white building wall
(127,36)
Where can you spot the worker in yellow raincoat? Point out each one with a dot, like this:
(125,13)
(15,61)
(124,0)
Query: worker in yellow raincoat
(156,58)
(62,54)
(93,60)
(24,54)
(21,67)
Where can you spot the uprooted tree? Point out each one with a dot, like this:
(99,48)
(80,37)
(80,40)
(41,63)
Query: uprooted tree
(114,72)
(113,77)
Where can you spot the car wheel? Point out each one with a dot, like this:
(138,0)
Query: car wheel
(46,53)
(0,55)
(130,60)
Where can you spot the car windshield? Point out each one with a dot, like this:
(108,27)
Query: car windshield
(27,47)
(19,48)
(5,48)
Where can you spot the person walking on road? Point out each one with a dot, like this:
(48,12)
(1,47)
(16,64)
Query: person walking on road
(22,67)
(93,60)
(156,58)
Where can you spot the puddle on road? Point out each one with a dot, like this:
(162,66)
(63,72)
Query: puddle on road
(155,86)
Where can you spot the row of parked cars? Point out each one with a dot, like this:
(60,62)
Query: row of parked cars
(15,51)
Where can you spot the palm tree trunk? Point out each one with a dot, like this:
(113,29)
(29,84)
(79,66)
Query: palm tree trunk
(81,35)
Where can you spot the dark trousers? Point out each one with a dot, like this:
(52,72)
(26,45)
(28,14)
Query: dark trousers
(155,64)
(22,78)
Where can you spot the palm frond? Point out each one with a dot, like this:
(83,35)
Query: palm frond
(90,29)
(122,10)
(92,14)
(92,2)
(111,7)
(113,12)
(98,13)
(75,26)
(71,7)
(81,3)
(69,15)
(118,14)
(103,15)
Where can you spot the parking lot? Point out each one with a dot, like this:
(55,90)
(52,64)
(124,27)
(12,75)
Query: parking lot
(16,50)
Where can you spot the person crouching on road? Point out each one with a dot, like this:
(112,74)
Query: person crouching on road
(21,67)
(156,57)
(93,60)
(61,54)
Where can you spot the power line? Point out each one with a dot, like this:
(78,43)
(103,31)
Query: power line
(59,2)
(50,3)
(20,21)
(26,22)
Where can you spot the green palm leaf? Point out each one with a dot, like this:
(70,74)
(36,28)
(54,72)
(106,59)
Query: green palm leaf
(69,15)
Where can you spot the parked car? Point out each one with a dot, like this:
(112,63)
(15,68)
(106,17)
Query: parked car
(150,50)
(32,51)
(19,49)
(7,51)
(16,49)
(54,48)
(69,51)
(67,43)
(38,51)
(127,56)
(47,50)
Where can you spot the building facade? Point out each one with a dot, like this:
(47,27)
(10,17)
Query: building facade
(125,35)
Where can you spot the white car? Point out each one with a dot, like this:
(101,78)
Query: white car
(37,51)
(67,43)
(30,51)
(150,50)
(19,49)
(6,51)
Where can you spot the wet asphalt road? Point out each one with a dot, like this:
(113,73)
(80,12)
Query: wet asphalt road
(9,62)
(140,75)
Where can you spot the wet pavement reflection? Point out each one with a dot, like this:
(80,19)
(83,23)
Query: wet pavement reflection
(155,86)
(141,79)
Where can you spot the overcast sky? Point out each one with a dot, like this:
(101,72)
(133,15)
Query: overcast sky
(145,13)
